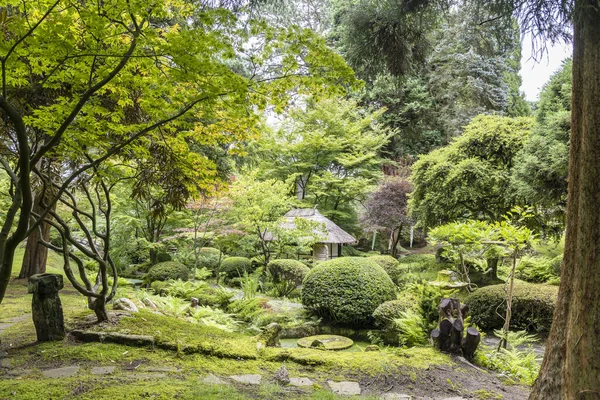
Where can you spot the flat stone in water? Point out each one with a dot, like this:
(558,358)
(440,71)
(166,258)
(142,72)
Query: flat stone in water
(345,388)
(103,370)
(299,382)
(64,372)
(327,342)
(247,379)
(211,379)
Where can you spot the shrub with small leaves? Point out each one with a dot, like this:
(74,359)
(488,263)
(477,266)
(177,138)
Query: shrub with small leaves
(532,306)
(235,267)
(287,275)
(390,265)
(167,270)
(387,312)
(209,258)
(347,290)
(163,257)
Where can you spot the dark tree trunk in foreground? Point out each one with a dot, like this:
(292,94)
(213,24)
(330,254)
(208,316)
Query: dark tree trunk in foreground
(571,366)
(36,254)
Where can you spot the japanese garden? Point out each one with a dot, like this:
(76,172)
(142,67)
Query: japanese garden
(304,199)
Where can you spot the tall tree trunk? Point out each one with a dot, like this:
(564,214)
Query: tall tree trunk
(571,366)
(36,255)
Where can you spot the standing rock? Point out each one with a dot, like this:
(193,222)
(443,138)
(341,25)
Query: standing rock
(46,307)
(282,376)
(270,335)
(125,305)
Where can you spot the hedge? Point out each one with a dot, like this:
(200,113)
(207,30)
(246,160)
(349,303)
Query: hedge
(532,306)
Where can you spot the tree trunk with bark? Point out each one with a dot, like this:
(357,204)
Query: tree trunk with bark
(36,254)
(571,366)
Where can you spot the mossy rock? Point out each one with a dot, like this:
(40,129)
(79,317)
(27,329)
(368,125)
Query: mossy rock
(326,342)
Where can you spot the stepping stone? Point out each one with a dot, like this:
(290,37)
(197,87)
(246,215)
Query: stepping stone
(64,372)
(247,379)
(211,379)
(103,370)
(395,396)
(18,372)
(5,363)
(344,388)
(299,382)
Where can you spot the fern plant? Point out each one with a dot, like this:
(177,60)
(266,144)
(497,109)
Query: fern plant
(411,328)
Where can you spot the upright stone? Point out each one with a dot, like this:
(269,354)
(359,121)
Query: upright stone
(46,307)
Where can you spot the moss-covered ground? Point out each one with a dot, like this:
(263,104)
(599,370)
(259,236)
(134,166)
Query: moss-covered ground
(186,353)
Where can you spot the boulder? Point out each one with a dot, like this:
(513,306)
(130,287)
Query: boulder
(125,305)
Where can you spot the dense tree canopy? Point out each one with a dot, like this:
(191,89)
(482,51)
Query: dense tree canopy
(469,179)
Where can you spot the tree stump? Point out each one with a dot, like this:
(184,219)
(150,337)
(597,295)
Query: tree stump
(46,307)
(449,336)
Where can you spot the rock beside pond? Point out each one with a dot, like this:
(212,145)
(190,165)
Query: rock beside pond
(125,305)
(270,335)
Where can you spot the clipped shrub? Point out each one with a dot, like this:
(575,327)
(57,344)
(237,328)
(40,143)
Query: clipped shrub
(167,270)
(235,267)
(347,290)
(287,275)
(163,257)
(390,265)
(209,258)
(387,312)
(539,269)
(532,306)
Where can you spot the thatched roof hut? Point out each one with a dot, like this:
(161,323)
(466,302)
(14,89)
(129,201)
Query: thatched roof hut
(328,247)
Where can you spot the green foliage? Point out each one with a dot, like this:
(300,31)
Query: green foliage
(209,258)
(416,268)
(428,298)
(411,327)
(390,265)
(167,270)
(515,361)
(532,307)
(236,267)
(468,178)
(163,257)
(539,269)
(287,275)
(328,151)
(347,290)
(387,312)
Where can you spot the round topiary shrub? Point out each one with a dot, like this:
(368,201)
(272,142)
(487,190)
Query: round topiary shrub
(347,290)
(235,267)
(288,270)
(387,312)
(167,270)
(532,306)
(390,265)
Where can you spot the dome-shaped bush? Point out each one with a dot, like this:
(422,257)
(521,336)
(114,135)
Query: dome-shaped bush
(167,270)
(390,265)
(387,312)
(235,267)
(532,306)
(288,271)
(347,290)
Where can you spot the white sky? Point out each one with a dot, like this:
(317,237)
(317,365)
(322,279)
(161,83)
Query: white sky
(536,69)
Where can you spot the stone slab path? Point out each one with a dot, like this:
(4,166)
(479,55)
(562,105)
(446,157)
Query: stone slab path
(344,388)
(63,372)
